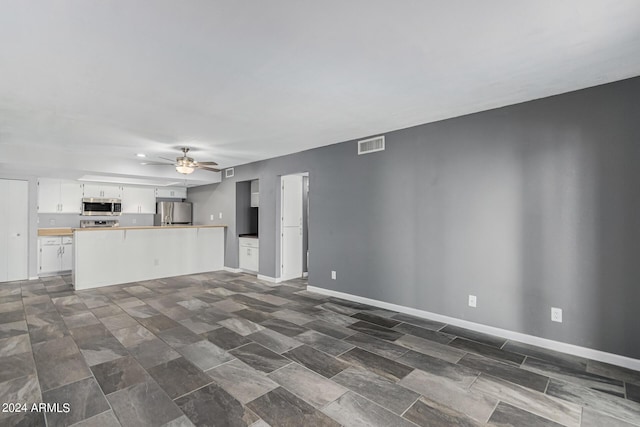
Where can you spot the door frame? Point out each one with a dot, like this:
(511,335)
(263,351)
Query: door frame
(281,230)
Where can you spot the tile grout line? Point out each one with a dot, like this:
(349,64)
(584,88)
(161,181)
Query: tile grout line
(90,371)
(410,406)
(193,289)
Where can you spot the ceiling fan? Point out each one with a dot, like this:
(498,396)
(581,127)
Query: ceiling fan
(186,165)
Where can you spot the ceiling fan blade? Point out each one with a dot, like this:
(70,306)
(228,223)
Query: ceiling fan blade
(164,158)
(207,163)
(157,164)
(207,169)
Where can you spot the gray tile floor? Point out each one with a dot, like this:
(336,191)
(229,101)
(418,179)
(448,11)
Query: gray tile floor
(229,350)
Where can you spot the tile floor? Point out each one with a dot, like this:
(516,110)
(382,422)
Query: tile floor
(229,350)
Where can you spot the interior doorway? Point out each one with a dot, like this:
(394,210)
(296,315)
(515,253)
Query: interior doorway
(293,252)
(14,226)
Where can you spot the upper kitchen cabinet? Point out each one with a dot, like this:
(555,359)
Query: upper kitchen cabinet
(138,200)
(102,191)
(59,196)
(171,192)
(255,193)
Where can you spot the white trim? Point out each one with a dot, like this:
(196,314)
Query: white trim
(34,278)
(575,350)
(305,274)
(269,279)
(231,269)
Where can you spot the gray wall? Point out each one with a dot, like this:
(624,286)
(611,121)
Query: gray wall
(527,207)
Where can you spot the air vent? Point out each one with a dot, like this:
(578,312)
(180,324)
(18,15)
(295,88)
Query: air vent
(228,173)
(371,145)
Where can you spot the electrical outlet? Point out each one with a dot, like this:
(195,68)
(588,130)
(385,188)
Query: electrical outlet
(220,215)
(211,217)
(134,221)
(556,314)
(333,274)
(52,222)
(472,301)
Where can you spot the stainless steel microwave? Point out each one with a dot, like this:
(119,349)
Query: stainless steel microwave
(103,207)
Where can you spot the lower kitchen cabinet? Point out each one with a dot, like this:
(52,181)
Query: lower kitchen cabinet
(55,254)
(249,251)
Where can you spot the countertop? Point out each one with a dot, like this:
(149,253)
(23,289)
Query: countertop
(69,231)
(150,227)
(55,231)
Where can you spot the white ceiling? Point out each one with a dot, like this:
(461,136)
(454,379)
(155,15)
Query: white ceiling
(85,85)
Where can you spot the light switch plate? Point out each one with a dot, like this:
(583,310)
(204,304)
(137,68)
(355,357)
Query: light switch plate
(333,274)
(472,301)
(556,314)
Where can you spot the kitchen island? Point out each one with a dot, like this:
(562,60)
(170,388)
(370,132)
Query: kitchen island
(111,256)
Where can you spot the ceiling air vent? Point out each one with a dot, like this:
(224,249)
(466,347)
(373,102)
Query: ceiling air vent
(228,173)
(371,145)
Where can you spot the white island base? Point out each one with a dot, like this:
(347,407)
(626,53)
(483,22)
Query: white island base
(113,256)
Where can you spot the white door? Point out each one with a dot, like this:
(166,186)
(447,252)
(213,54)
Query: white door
(291,227)
(14,218)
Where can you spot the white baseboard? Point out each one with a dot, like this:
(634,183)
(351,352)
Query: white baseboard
(305,274)
(269,279)
(232,270)
(588,353)
(34,278)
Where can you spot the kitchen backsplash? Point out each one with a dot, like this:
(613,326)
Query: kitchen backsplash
(73,220)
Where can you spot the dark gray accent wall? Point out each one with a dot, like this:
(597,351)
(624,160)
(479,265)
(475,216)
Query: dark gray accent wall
(528,207)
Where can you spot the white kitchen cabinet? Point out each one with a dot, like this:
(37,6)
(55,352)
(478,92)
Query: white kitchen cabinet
(55,254)
(255,193)
(59,196)
(138,200)
(102,191)
(66,260)
(48,195)
(171,192)
(249,254)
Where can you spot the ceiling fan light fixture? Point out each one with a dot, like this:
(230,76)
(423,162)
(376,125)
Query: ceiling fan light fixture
(186,170)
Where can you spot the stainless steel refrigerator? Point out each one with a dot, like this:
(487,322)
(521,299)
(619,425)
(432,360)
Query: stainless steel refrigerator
(173,213)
